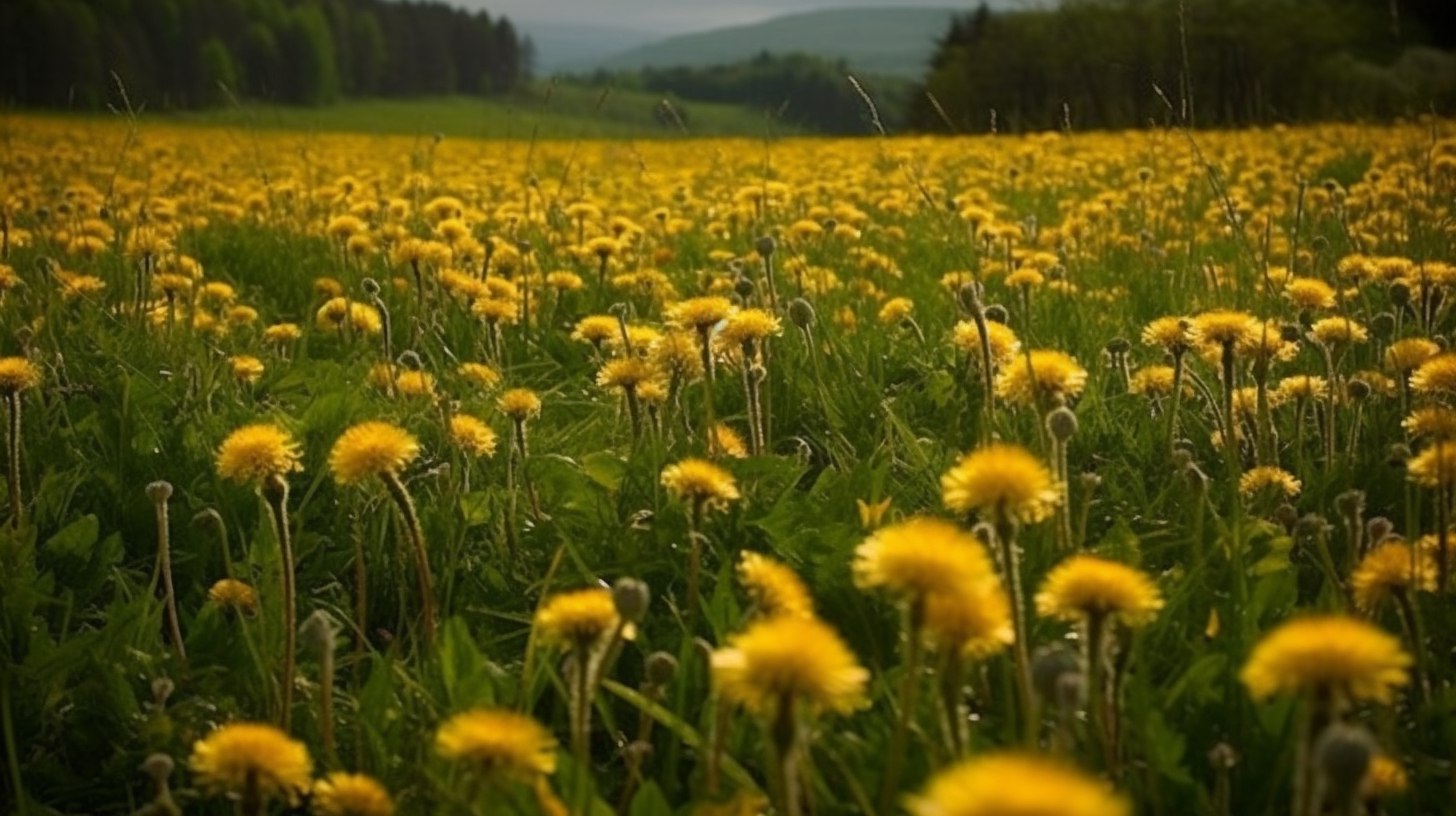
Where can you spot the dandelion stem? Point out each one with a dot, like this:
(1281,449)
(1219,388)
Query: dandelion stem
(164,567)
(909,694)
(275,493)
(1171,430)
(12,408)
(1006,539)
(422,557)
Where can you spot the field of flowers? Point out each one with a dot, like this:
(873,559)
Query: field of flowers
(1078,473)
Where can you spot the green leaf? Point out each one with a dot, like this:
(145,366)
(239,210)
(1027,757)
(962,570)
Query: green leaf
(605,469)
(75,541)
(649,801)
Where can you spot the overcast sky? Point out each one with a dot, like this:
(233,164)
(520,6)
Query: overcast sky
(670,16)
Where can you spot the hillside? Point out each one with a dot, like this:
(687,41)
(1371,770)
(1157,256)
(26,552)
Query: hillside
(879,41)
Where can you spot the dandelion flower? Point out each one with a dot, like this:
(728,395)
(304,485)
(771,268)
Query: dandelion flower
(1406,355)
(578,618)
(282,333)
(472,436)
(1384,777)
(1085,586)
(1336,331)
(251,757)
(246,368)
(520,404)
(1274,480)
(625,373)
(698,481)
(1431,422)
(1436,376)
(895,310)
(748,326)
(727,442)
(783,660)
(1000,478)
(596,329)
(480,374)
(1045,374)
(346,794)
(1011,784)
(1223,328)
(17,374)
(1152,381)
(774,589)
(1326,653)
(975,618)
(966,336)
(234,596)
(1310,293)
(1172,334)
(254,453)
(920,556)
(498,742)
(700,313)
(372,449)
(1391,568)
(1433,467)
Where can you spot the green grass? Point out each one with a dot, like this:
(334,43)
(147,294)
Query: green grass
(560,111)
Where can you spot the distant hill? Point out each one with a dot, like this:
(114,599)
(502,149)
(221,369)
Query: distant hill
(895,42)
(569,46)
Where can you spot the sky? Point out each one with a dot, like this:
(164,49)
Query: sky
(660,17)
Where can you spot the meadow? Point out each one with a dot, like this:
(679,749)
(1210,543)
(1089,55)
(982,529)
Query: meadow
(1072,473)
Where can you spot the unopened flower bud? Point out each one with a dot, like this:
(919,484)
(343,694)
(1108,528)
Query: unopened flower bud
(1342,753)
(370,287)
(801,312)
(631,597)
(1378,528)
(158,767)
(159,491)
(765,245)
(996,313)
(661,667)
(1062,424)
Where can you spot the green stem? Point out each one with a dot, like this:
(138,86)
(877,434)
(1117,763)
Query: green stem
(417,544)
(12,405)
(1171,426)
(1006,539)
(909,694)
(275,492)
(169,590)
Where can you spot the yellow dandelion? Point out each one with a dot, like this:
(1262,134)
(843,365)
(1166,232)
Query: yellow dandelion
(1011,784)
(498,743)
(254,453)
(1406,355)
(974,618)
(246,369)
(346,794)
(699,313)
(1221,328)
(895,310)
(520,404)
(727,442)
(372,449)
(773,588)
(282,333)
(412,383)
(1436,376)
(17,374)
(472,435)
(1085,586)
(1271,480)
(919,556)
(596,329)
(624,373)
(1326,653)
(700,483)
(1336,331)
(1391,568)
(1044,374)
(579,618)
(1152,381)
(1433,467)
(966,336)
(1310,293)
(1172,334)
(1385,777)
(252,757)
(1000,479)
(1431,422)
(234,595)
(786,660)
(748,326)
(480,374)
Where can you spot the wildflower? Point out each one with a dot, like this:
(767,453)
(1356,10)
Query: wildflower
(748,326)
(412,383)
(1436,376)
(701,483)
(246,369)
(520,404)
(920,556)
(786,660)
(1172,334)
(596,329)
(498,743)
(1332,653)
(17,374)
(472,436)
(251,759)
(1000,478)
(1044,375)
(1086,586)
(1433,467)
(727,442)
(624,373)
(872,513)
(1009,784)
(774,589)
(480,374)
(254,453)
(1222,328)
(700,313)
(1404,356)
(282,333)
(1310,293)
(895,310)
(1302,387)
(371,449)
(1152,381)
(346,794)
(1384,778)
(966,336)
(1276,480)
(1336,331)
(974,618)
(1391,568)
(233,595)
(1431,422)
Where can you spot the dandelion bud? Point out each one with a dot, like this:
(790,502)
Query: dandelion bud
(162,689)
(1062,424)
(158,767)
(1118,346)
(744,288)
(1049,666)
(829,224)
(1400,294)
(159,491)
(1289,333)
(631,597)
(370,287)
(411,359)
(208,519)
(970,295)
(1350,503)
(1223,757)
(1358,390)
(1378,529)
(1342,753)
(801,312)
(996,313)
(661,667)
(619,309)
(321,632)
(1320,244)
(1397,455)
(1309,525)
(765,245)
(1090,481)
(1287,516)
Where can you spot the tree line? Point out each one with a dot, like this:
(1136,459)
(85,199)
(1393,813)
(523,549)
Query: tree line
(192,53)
(1096,63)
